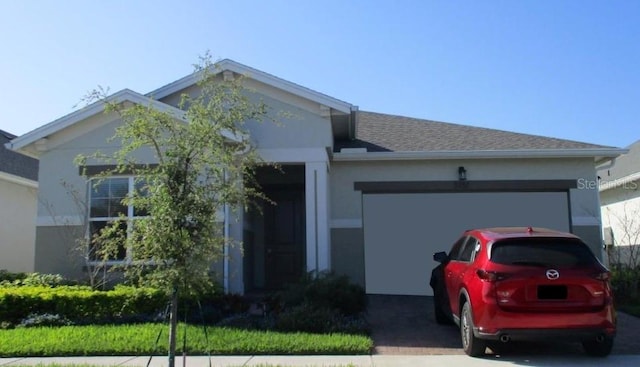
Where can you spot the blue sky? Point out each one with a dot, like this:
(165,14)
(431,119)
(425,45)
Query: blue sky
(567,69)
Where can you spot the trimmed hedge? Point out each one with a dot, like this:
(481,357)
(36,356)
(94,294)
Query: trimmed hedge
(78,303)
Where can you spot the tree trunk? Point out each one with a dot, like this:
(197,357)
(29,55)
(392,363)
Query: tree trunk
(173,328)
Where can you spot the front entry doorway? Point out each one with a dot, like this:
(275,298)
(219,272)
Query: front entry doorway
(284,238)
(275,235)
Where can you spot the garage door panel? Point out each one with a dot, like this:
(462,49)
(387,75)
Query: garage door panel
(402,231)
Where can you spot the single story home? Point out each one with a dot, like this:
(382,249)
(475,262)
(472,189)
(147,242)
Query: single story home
(18,195)
(365,194)
(620,205)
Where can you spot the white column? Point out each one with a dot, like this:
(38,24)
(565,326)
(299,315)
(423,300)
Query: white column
(233,271)
(317,216)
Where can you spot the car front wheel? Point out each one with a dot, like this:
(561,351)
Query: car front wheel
(471,345)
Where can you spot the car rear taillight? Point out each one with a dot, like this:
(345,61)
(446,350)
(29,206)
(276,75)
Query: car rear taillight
(604,276)
(490,276)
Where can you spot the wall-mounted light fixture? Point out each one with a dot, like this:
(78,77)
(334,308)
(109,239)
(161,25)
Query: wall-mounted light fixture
(462,173)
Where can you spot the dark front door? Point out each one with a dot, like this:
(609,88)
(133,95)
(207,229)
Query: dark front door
(284,237)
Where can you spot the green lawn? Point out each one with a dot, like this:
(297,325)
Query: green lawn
(89,365)
(140,339)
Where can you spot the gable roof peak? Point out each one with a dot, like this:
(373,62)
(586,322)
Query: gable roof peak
(258,75)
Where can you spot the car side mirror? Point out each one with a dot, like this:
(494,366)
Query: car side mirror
(440,257)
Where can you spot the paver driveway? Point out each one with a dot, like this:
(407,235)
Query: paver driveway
(406,325)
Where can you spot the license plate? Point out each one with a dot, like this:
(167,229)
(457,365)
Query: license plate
(551,292)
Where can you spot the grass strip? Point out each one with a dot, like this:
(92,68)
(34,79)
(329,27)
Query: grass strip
(139,339)
(90,365)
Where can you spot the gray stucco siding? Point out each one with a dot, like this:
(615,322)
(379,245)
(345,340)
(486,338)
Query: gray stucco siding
(348,226)
(592,236)
(56,251)
(346,202)
(347,253)
(291,122)
(59,173)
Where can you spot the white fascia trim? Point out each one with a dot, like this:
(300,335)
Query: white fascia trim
(608,185)
(18,180)
(481,154)
(346,223)
(125,95)
(294,155)
(257,75)
(88,111)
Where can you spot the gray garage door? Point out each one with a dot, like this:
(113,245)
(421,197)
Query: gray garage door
(402,231)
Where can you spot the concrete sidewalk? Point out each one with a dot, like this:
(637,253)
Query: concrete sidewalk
(335,361)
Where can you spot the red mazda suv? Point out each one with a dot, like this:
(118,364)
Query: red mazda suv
(519,283)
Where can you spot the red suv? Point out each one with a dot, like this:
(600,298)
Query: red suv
(502,284)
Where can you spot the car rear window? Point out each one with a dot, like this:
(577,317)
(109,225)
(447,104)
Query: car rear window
(543,252)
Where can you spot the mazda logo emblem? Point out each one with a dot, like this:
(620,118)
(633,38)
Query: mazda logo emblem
(552,274)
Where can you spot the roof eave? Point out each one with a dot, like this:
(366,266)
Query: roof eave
(598,154)
(257,75)
(18,180)
(20,143)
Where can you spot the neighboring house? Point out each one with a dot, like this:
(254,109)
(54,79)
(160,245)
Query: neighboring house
(365,194)
(18,195)
(620,206)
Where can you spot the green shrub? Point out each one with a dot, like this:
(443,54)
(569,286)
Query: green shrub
(248,322)
(326,291)
(308,318)
(45,280)
(78,303)
(326,304)
(338,293)
(211,306)
(625,282)
(9,277)
(32,279)
(46,319)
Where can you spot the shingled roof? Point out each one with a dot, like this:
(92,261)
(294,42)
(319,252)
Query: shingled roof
(389,133)
(16,163)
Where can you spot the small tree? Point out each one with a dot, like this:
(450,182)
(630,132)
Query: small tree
(204,161)
(624,255)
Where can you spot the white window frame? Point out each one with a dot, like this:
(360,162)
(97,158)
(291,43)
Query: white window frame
(130,218)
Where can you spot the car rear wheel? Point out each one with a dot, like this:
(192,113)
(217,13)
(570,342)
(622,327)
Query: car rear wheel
(471,345)
(596,348)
